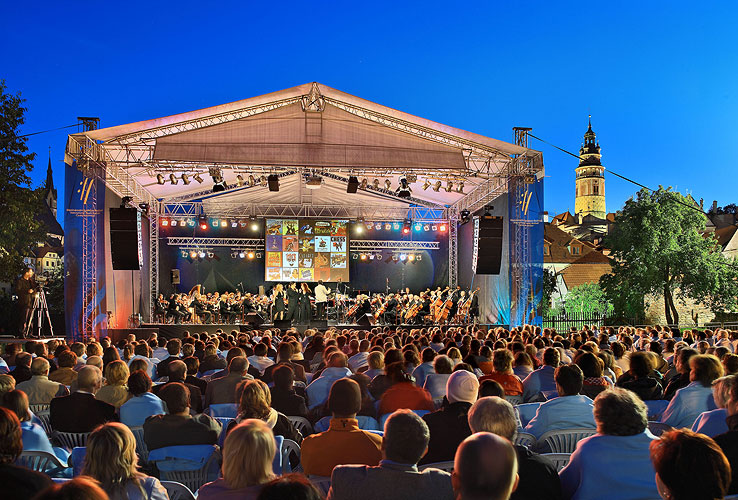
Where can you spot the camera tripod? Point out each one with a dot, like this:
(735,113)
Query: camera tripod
(39,310)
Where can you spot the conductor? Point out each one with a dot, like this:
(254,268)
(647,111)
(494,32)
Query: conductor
(25,287)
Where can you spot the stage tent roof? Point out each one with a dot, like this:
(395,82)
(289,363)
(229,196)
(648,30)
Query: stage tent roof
(306,130)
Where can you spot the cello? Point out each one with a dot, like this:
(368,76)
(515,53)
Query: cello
(437,304)
(446,309)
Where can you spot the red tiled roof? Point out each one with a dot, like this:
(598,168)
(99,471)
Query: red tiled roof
(578,274)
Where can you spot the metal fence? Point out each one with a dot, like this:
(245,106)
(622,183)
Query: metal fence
(593,319)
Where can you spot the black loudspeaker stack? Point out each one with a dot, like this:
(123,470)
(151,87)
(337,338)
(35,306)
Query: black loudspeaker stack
(487,244)
(175,277)
(124,239)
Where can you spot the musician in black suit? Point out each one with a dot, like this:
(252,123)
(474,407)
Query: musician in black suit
(174,309)
(25,287)
(304,308)
(454,303)
(293,296)
(80,411)
(474,308)
(390,311)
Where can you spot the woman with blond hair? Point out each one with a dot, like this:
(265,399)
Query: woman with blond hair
(111,459)
(690,401)
(256,401)
(248,454)
(115,391)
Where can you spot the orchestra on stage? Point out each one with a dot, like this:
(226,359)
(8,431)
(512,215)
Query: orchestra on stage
(298,304)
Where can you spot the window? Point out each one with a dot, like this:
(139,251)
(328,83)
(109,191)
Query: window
(546,250)
(575,249)
(595,188)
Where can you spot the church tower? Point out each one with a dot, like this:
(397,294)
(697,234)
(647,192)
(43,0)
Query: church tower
(50,192)
(589,194)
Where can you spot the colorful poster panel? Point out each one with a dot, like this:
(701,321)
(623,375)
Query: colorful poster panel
(307,274)
(322,260)
(338,228)
(289,259)
(273,226)
(322,243)
(307,244)
(338,244)
(274,259)
(290,274)
(305,259)
(273,273)
(289,243)
(273,243)
(322,228)
(338,260)
(306,228)
(289,227)
(323,273)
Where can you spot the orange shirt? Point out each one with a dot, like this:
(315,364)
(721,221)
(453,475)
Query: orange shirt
(487,367)
(511,383)
(405,395)
(343,443)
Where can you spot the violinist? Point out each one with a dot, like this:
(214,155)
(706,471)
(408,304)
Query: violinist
(174,309)
(160,308)
(201,308)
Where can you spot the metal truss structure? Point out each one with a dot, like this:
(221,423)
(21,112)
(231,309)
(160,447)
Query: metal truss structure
(89,260)
(153,261)
(258,243)
(369,245)
(453,253)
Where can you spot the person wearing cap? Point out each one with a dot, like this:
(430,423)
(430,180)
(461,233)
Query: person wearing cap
(343,442)
(449,426)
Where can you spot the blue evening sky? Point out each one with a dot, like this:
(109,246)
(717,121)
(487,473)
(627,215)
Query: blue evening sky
(659,78)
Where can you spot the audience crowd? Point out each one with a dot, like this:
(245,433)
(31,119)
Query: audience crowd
(427,413)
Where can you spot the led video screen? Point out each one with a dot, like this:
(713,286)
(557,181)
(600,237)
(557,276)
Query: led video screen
(306,250)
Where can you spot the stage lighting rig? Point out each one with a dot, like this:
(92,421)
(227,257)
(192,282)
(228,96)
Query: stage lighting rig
(406,227)
(403,190)
(465,216)
(198,177)
(203,222)
(186,179)
(219,184)
(160,179)
(364,183)
(449,186)
(254,223)
(426,185)
(240,180)
(387,184)
(437,186)
(173,179)
(252,181)
(460,187)
(125,201)
(263,181)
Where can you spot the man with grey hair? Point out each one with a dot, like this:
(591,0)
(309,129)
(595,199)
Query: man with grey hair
(39,389)
(80,411)
(177,370)
(485,468)
(405,442)
(538,476)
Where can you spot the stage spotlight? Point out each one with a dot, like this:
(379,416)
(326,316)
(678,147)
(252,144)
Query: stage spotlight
(203,221)
(144,208)
(254,223)
(239,179)
(426,227)
(353,185)
(201,254)
(173,223)
(184,254)
(211,255)
(396,226)
(215,222)
(242,223)
(191,222)
(358,228)
(387,184)
(160,179)
(193,254)
(375,183)
(258,255)
(250,255)
(364,183)
(387,226)
(173,179)
(369,226)
(411,257)
(362,256)
(395,258)
(273,181)
(403,190)
(449,186)
(434,228)
(379,256)
(403,257)
(234,223)
(354,256)
(426,184)
(165,222)
(406,229)
(378,226)
(223,223)
(442,227)
(241,255)
(418,227)
(263,181)
(437,186)
(371,256)
(198,178)
(464,215)
(186,179)
(419,257)
(252,181)
(460,187)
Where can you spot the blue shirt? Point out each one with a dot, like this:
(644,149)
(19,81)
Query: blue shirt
(564,412)
(607,467)
(712,423)
(687,404)
(136,410)
(35,439)
(318,390)
(540,380)
(421,372)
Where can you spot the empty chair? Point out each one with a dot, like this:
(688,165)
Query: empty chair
(192,465)
(39,461)
(525,439)
(177,491)
(563,440)
(302,424)
(444,466)
(559,459)
(222,410)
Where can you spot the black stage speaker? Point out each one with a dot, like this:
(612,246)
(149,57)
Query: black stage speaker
(487,245)
(283,324)
(124,239)
(353,185)
(175,277)
(367,320)
(253,318)
(318,323)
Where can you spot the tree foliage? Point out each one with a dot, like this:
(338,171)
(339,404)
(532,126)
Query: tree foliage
(587,298)
(19,231)
(549,286)
(658,247)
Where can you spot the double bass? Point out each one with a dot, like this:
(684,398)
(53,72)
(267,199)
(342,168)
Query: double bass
(437,305)
(463,314)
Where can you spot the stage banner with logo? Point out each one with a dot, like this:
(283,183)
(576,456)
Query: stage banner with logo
(84,250)
(526,249)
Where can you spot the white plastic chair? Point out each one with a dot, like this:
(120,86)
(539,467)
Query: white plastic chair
(560,460)
(175,463)
(525,439)
(563,440)
(514,400)
(71,440)
(289,447)
(178,491)
(444,466)
(45,417)
(39,408)
(141,449)
(39,461)
(302,424)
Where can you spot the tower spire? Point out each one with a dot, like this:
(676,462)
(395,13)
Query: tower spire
(590,177)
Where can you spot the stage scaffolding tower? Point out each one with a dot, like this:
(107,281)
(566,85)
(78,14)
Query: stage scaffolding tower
(89,241)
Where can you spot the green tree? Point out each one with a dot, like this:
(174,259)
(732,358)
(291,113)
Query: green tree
(549,287)
(658,247)
(19,231)
(587,298)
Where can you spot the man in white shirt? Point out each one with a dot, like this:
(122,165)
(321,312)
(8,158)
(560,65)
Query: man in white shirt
(260,360)
(359,359)
(321,297)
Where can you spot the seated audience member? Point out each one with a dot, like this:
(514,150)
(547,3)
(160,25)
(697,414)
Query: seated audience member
(22,370)
(360,359)
(223,390)
(81,411)
(491,388)
(375,361)
(211,361)
(114,391)
(690,466)
(343,442)
(193,367)
(382,382)
(248,453)
(173,348)
(592,368)
(502,360)
(728,441)
(34,436)
(141,351)
(435,383)
(425,368)
(18,483)
(317,391)
(690,401)
(284,397)
(523,365)
(712,423)
(570,410)
(177,371)
(367,401)
(614,463)
(681,379)
(111,459)
(542,380)
(7,383)
(405,441)
(730,364)
(403,393)
(289,486)
(179,427)
(485,467)
(449,425)
(255,403)
(79,488)
(284,357)
(142,403)
(484,362)
(539,479)
(260,360)
(39,389)
(638,379)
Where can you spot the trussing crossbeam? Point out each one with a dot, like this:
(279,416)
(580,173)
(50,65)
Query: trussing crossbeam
(203,243)
(392,245)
